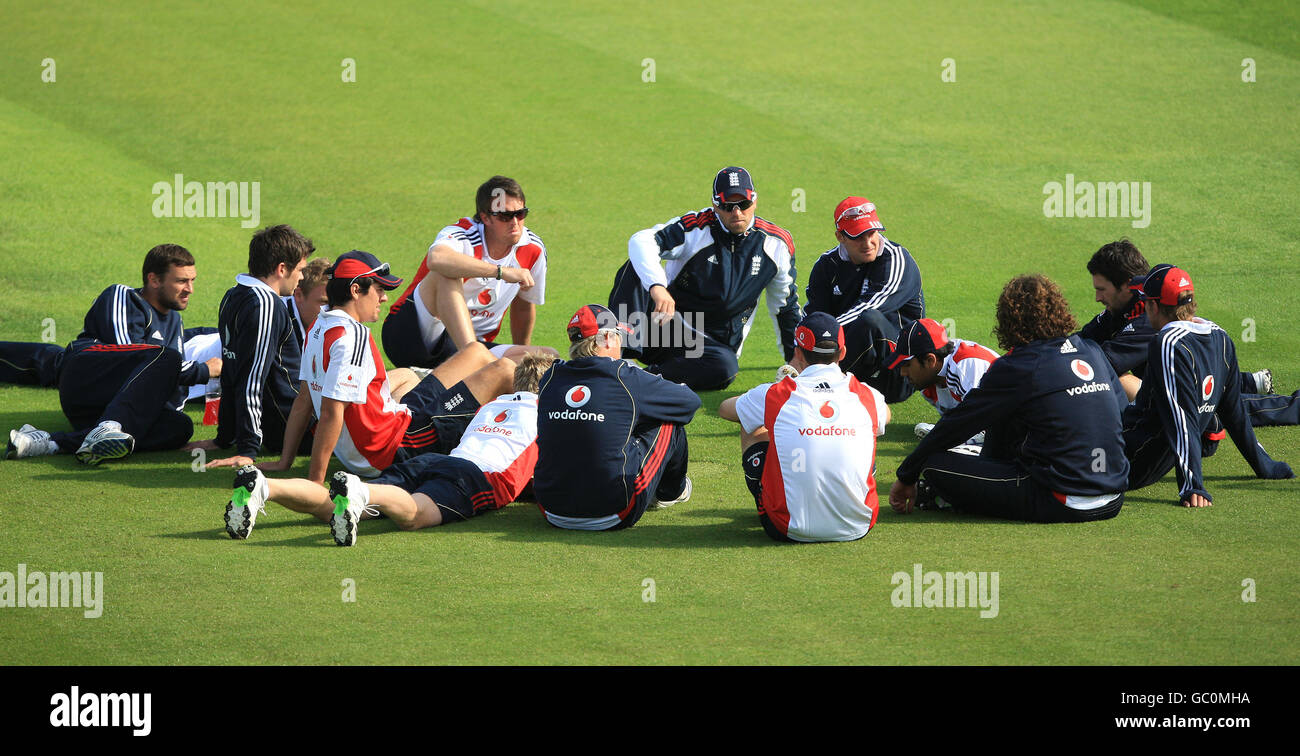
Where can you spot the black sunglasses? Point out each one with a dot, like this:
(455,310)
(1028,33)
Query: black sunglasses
(506,215)
(732,206)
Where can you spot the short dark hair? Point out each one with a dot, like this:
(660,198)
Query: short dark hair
(492,187)
(161,258)
(274,245)
(338,291)
(942,352)
(820,358)
(1032,308)
(1118,262)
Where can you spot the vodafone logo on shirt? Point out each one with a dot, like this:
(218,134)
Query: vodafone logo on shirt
(1207,387)
(1082,369)
(577,396)
(501,418)
(486,297)
(829,411)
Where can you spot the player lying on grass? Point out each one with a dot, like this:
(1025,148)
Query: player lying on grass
(474,271)
(1124,333)
(611,437)
(346,386)
(873,287)
(719,260)
(808,442)
(121,382)
(1050,407)
(945,370)
(487,470)
(1191,378)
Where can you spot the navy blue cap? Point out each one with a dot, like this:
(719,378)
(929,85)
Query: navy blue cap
(732,180)
(819,332)
(357,264)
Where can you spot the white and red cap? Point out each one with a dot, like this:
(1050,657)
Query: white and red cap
(857,215)
(920,337)
(358,264)
(592,319)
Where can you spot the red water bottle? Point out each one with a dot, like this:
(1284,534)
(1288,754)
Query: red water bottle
(212,405)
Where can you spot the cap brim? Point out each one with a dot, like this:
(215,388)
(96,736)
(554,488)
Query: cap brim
(849,233)
(388,282)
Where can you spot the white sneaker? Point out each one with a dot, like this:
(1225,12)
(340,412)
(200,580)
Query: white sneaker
(1263,381)
(685,496)
(351,497)
(27,441)
(106,441)
(246,501)
(786,371)
(923,429)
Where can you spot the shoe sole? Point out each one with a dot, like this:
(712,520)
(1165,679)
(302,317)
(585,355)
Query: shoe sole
(238,523)
(108,448)
(342,525)
(685,497)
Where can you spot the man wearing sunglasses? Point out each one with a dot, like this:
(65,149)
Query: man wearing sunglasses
(474,271)
(872,286)
(718,261)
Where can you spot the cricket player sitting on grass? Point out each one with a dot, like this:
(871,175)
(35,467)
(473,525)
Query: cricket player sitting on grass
(475,270)
(1050,407)
(261,346)
(717,261)
(1124,333)
(945,370)
(486,471)
(1191,378)
(611,437)
(872,286)
(346,384)
(808,442)
(121,384)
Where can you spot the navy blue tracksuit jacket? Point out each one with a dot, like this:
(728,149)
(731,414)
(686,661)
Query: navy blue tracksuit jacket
(593,417)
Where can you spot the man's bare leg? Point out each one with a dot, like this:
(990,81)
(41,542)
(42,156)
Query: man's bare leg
(749,439)
(407,511)
(448,305)
(492,380)
(463,364)
(301,495)
(519,351)
(400,381)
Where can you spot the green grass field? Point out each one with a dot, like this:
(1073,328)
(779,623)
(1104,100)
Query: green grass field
(818,102)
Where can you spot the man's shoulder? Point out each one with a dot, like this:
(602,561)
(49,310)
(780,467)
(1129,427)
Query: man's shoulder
(530,249)
(699,219)
(771,229)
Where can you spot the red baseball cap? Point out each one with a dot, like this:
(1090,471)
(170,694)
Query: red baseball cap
(921,337)
(857,215)
(590,320)
(1167,285)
